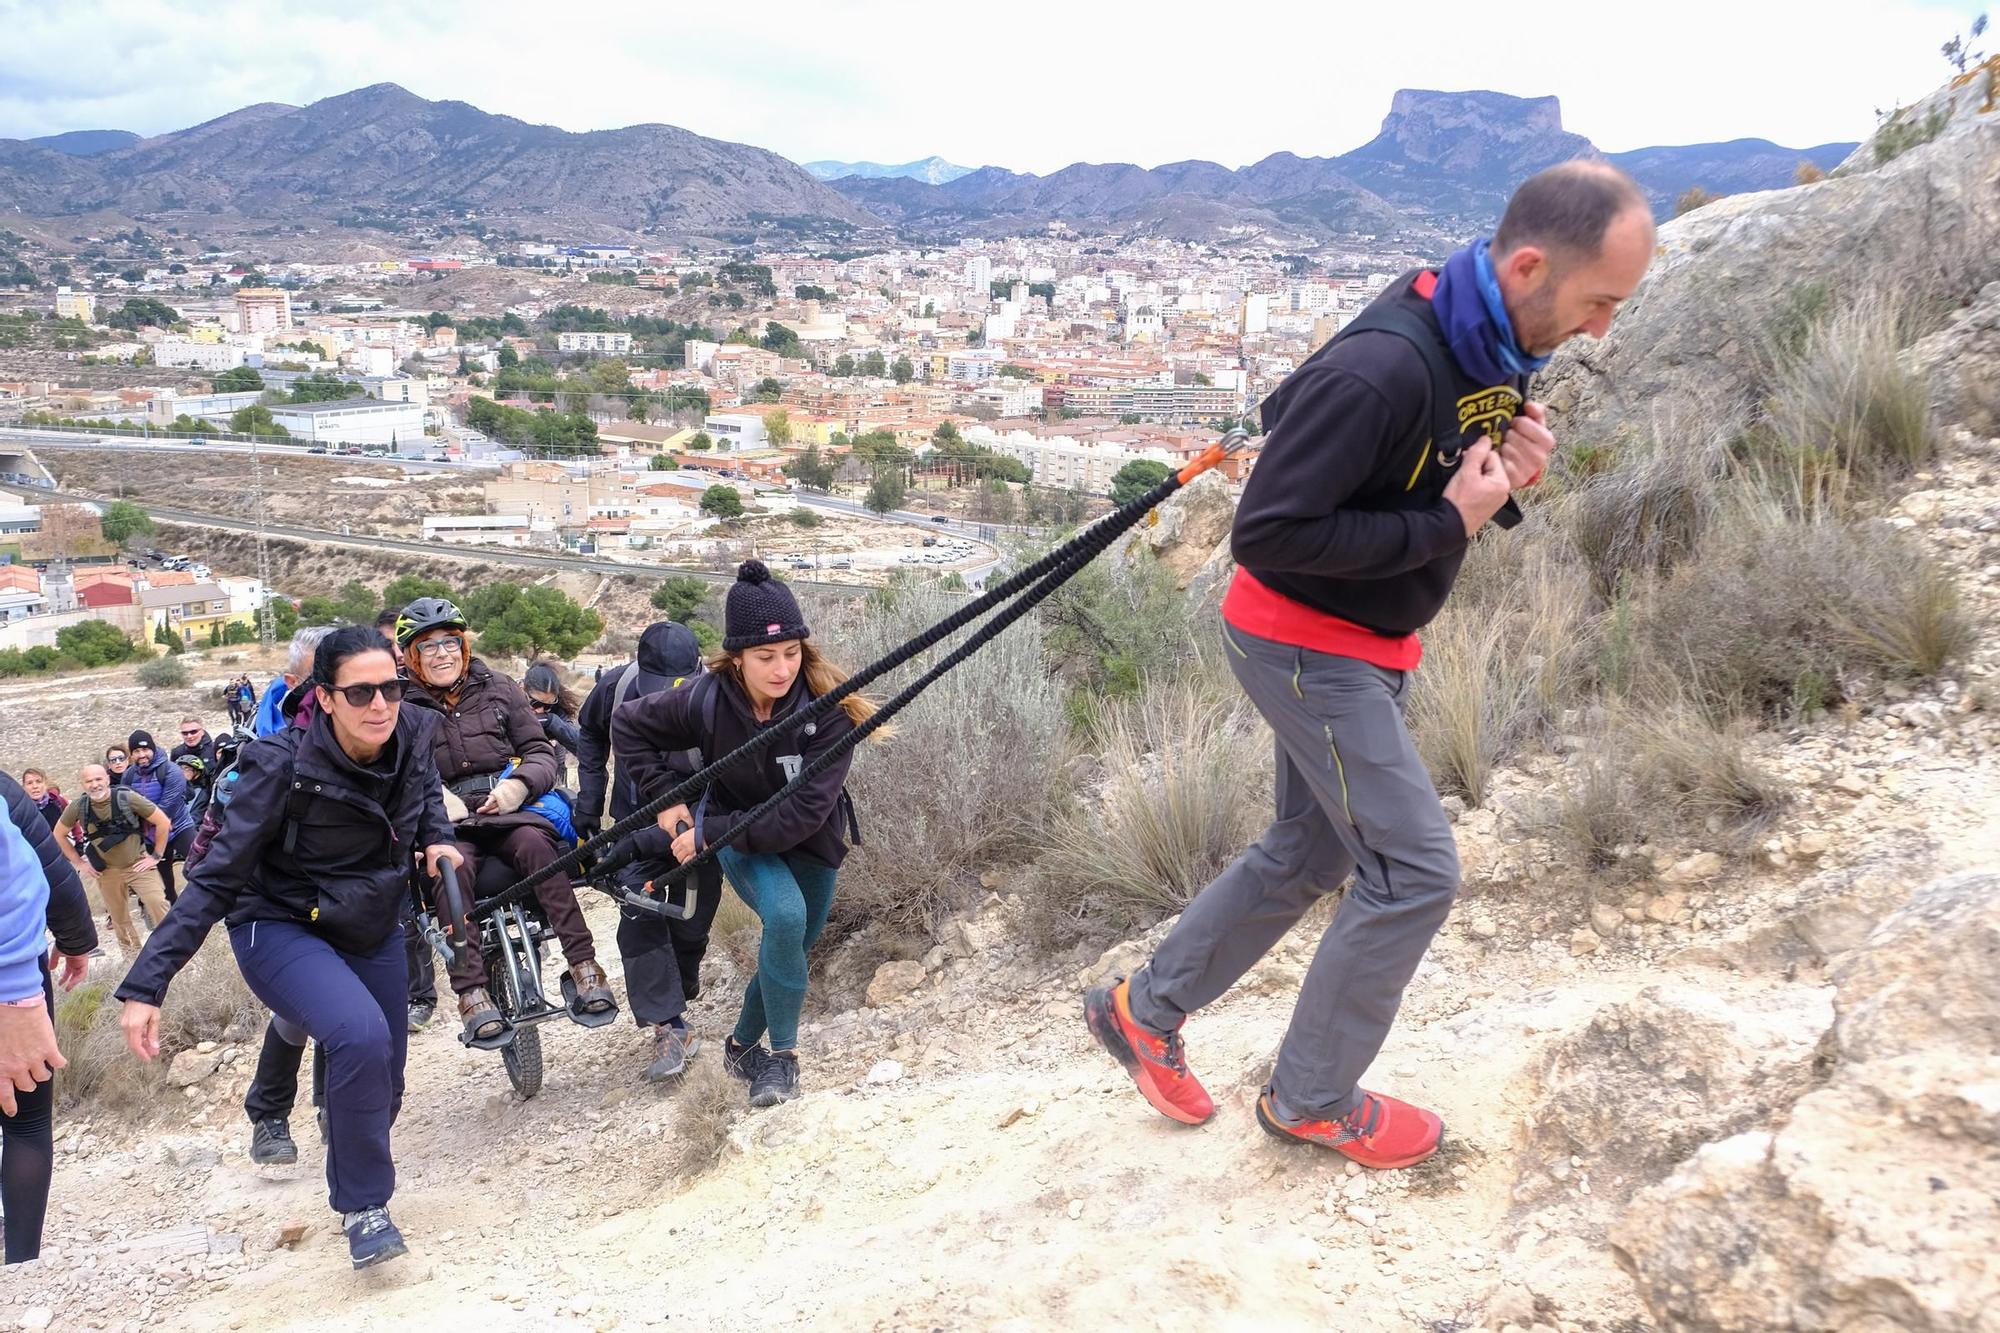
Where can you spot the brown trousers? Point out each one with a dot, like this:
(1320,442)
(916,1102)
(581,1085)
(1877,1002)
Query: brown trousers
(526,849)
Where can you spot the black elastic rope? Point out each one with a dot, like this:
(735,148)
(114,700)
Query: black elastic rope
(1068,558)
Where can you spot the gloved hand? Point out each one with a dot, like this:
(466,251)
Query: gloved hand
(586,826)
(454,809)
(507,796)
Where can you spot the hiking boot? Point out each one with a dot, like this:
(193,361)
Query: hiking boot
(777,1079)
(421,1015)
(672,1048)
(271,1143)
(743,1061)
(371,1237)
(1155,1060)
(482,1018)
(1382,1132)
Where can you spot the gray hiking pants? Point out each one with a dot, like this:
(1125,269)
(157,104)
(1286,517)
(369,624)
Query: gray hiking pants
(1352,798)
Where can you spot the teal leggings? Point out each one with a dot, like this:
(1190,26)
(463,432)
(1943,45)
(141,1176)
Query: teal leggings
(791,895)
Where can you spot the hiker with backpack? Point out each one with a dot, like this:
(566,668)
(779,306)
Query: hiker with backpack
(783,865)
(46,796)
(1386,453)
(499,770)
(112,820)
(39,896)
(159,780)
(662,957)
(311,871)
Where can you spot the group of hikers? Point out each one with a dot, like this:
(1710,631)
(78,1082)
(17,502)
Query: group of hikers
(1386,453)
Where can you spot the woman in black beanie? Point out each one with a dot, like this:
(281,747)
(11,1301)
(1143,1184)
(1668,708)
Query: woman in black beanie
(783,865)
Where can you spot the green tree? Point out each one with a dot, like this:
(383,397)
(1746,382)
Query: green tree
(681,595)
(143,310)
(508,358)
(779,339)
(722,501)
(768,390)
(902,372)
(843,365)
(322,387)
(238,632)
(1135,479)
(94,643)
(700,442)
(639,410)
(886,492)
(317,610)
(241,379)
(122,520)
(661,463)
(355,604)
(256,419)
(215,634)
(806,518)
(168,640)
(540,620)
(811,469)
(406,588)
(612,376)
(284,617)
(874,364)
(778,427)
(946,436)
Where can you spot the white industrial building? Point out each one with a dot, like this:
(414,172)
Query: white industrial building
(210,356)
(363,421)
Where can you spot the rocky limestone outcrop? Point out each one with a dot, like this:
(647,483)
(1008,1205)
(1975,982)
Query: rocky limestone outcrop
(1645,1083)
(1188,532)
(1872,1204)
(1729,272)
(1962,362)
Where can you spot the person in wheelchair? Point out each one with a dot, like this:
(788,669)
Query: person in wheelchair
(311,872)
(496,764)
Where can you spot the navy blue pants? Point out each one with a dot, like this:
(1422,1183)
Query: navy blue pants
(354,1006)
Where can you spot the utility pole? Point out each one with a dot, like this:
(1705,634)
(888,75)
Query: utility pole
(267,624)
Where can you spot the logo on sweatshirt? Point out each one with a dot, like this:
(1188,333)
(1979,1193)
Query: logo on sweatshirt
(791,763)
(1489,412)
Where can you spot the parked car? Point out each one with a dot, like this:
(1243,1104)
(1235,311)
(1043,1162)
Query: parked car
(317,449)
(940,518)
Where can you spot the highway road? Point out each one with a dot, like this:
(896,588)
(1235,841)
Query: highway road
(975,577)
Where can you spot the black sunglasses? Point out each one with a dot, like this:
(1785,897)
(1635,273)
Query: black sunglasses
(538,705)
(360,696)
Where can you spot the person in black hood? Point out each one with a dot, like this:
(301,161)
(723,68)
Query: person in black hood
(311,871)
(783,864)
(662,957)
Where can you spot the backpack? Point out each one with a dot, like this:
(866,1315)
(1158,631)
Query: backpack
(100,834)
(690,760)
(1448,432)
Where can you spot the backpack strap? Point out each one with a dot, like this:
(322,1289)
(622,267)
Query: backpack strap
(1447,436)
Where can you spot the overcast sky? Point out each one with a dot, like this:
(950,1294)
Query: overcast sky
(1031,84)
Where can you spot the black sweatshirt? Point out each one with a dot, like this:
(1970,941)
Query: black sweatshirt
(647,731)
(1345,512)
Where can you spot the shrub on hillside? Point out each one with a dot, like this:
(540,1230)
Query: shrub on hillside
(1644,516)
(210,1002)
(1499,662)
(965,782)
(164,673)
(1186,788)
(1778,610)
(1846,399)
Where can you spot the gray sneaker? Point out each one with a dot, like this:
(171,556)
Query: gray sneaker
(672,1048)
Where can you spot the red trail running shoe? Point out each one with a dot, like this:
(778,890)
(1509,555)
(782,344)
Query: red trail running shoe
(1155,1060)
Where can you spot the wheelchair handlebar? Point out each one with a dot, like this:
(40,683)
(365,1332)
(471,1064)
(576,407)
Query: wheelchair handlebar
(452,908)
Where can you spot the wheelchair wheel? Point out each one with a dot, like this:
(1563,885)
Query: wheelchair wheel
(523,1055)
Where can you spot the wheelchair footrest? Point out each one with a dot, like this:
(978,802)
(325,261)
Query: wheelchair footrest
(499,1041)
(577,1015)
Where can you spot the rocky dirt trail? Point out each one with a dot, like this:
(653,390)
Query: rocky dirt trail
(965,1158)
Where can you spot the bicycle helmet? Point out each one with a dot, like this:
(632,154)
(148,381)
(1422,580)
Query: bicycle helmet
(426,613)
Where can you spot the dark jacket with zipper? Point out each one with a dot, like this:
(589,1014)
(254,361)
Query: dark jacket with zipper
(68,912)
(668,654)
(312,837)
(648,732)
(1345,512)
(488,723)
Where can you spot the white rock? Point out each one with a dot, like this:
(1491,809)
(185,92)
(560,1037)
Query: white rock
(38,1316)
(1361,1213)
(885,1071)
(191,1067)
(894,980)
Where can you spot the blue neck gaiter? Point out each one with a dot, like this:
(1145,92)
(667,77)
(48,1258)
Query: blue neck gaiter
(1474,318)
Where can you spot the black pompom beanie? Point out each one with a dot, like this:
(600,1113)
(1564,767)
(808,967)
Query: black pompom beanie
(760,609)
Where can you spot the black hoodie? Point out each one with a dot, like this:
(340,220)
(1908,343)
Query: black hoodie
(668,654)
(647,732)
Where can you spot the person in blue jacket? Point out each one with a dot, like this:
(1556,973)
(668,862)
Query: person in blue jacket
(161,781)
(271,715)
(39,893)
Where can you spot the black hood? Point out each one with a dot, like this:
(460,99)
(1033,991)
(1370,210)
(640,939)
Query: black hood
(669,649)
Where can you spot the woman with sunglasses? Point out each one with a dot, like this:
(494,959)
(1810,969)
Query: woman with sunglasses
(116,762)
(310,873)
(495,761)
(556,704)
